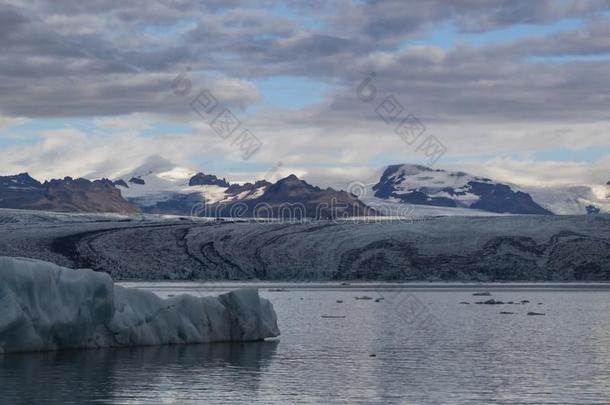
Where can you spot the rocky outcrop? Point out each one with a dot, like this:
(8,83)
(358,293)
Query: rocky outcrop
(20,191)
(137,180)
(201,179)
(593,210)
(120,183)
(247,189)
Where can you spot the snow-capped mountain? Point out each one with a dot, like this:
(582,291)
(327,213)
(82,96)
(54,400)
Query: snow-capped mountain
(423,186)
(293,198)
(159,186)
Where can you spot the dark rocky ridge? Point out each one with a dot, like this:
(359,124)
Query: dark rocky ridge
(593,210)
(120,182)
(201,179)
(65,195)
(136,180)
(235,189)
(21,180)
(292,198)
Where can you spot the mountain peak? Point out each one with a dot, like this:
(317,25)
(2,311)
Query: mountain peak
(202,179)
(420,185)
(291,177)
(290,187)
(406,169)
(19,180)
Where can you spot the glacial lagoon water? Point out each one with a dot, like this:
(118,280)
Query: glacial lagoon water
(417,345)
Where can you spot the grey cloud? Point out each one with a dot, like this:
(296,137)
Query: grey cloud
(128,66)
(592,40)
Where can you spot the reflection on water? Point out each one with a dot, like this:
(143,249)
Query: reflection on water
(189,373)
(413,347)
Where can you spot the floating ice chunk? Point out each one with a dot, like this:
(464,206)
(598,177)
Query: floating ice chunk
(47,307)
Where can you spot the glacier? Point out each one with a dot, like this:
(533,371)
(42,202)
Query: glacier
(45,307)
(489,248)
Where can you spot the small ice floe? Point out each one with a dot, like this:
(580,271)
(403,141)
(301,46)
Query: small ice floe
(525,301)
(277,290)
(506,313)
(490,302)
(465,303)
(333,316)
(339,301)
(379,299)
(364,297)
(535,313)
(482,294)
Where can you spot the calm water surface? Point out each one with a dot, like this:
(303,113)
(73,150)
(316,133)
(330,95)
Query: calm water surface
(416,346)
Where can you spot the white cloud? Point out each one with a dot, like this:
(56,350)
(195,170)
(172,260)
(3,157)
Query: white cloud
(492,108)
(10,122)
(542,173)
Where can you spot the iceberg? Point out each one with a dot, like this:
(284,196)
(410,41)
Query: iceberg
(46,307)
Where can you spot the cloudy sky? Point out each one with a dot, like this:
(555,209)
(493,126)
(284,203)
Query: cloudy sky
(514,90)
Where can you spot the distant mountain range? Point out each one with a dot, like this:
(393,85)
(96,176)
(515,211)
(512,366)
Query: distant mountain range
(159,187)
(67,195)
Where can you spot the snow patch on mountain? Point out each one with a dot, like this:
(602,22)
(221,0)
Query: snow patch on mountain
(394,208)
(573,200)
(163,187)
